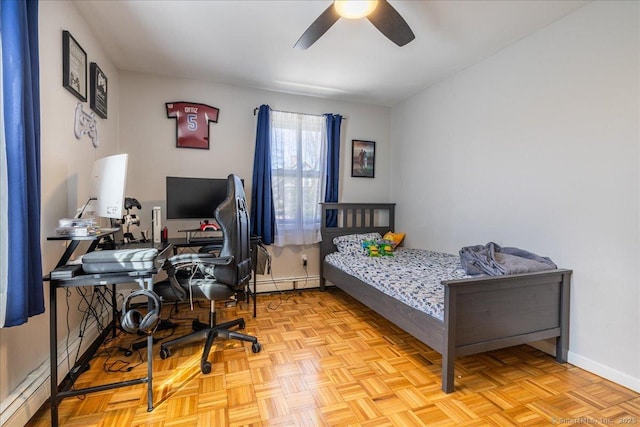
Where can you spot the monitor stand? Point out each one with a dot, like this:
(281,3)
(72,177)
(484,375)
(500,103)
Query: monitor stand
(200,233)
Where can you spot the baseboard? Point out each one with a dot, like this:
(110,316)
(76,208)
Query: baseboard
(606,372)
(548,346)
(23,403)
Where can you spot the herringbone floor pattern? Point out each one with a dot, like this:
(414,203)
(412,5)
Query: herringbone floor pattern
(327,360)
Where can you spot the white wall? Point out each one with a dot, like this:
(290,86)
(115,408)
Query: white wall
(537,147)
(66,165)
(150,139)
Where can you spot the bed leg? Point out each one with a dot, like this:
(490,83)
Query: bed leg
(562,342)
(561,350)
(449,353)
(448,378)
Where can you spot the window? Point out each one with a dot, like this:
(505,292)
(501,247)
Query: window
(298,166)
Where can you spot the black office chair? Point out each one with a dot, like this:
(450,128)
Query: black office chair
(206,276)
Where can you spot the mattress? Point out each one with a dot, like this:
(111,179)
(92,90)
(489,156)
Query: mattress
(412,276)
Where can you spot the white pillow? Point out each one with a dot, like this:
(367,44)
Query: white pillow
(351,244)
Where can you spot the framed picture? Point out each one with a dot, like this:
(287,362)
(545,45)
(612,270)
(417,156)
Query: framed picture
(192,123)
(363,158)
(98,98)
(74,66)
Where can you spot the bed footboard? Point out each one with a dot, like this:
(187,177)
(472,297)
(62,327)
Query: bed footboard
(488,313)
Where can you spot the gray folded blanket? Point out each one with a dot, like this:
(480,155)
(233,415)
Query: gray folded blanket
(493,260)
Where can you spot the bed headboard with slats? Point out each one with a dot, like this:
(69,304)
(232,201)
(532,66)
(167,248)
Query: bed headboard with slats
(353,218)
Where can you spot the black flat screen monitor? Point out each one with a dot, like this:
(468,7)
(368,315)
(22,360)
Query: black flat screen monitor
(194,198)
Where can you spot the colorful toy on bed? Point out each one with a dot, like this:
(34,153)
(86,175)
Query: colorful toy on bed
(395,238)
(375,248)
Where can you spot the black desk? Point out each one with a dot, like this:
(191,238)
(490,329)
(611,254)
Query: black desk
(144,280)
(216,241)
(74,241)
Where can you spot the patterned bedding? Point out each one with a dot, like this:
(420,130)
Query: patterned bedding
(412,276)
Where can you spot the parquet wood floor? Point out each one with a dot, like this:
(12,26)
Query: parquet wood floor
(327,360)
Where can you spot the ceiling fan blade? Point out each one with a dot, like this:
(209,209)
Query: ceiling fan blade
(320,26)
(389,22)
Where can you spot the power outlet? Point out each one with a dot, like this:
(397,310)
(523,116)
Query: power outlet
(304,260)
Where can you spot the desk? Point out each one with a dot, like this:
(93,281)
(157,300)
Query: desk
(74,241)
(144,280)
(216,241)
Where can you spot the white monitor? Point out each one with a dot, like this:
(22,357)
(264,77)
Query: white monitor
(109,177)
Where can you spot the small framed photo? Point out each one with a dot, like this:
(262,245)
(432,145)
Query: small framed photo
(363,158)
(74,66)
(98,98)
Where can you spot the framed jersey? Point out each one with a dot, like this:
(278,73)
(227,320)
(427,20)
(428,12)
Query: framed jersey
(192,127)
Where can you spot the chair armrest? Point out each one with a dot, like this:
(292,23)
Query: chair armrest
(218,260)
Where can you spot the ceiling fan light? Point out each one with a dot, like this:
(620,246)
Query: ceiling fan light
(355,9)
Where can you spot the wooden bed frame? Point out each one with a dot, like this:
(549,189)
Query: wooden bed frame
(481,314)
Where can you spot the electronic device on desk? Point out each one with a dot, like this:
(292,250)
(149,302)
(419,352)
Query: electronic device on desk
(109,177)
(108,183)
(194,198)
(66,271)
(76,227)
(209,226)
(207,233)
(130,220)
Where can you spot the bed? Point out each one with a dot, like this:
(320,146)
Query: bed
(479,314)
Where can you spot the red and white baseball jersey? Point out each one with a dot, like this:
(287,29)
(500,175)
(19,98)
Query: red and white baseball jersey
(193,123)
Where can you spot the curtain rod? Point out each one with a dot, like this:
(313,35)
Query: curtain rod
(255,110)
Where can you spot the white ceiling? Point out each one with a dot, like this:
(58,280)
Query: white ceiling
(250,42)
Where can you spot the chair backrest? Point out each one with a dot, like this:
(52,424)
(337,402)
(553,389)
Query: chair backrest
(233,217)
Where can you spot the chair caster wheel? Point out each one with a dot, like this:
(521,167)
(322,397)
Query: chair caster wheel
(206,368)
(242,324)
(164,353)
(256,347)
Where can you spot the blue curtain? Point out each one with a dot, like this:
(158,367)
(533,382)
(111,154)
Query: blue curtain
(262,209)
(333,165)
(24,295)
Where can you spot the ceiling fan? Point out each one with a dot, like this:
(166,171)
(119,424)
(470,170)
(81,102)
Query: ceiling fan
(379,12)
